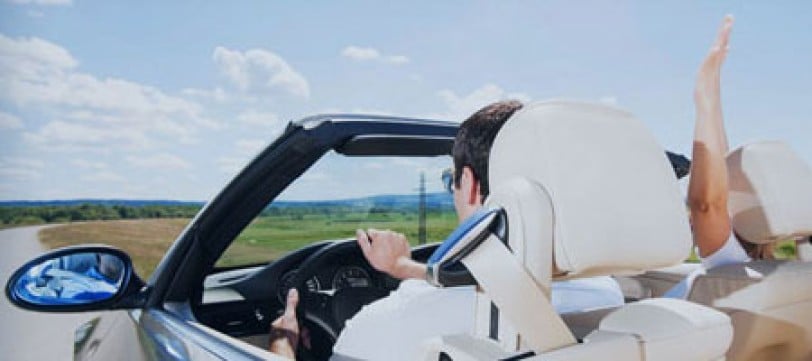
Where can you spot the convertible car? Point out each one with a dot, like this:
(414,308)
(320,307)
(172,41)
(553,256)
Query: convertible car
(288,220)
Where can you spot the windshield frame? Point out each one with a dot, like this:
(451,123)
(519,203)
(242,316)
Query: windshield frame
(304,142)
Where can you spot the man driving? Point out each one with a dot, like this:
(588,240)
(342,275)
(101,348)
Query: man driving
(418,310)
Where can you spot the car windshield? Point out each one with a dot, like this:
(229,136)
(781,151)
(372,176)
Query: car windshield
(340,194)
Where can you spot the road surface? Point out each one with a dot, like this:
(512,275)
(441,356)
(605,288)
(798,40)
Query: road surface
(26,335)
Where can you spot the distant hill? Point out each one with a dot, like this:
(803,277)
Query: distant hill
(433,200)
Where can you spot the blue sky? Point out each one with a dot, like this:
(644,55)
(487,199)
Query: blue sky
(168,100)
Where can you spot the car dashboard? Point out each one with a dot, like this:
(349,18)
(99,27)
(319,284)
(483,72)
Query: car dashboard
(243,302)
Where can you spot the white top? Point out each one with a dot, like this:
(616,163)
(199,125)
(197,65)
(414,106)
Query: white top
(731,252)
(395,327)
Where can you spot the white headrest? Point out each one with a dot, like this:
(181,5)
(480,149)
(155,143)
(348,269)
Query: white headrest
(770,192)
(616,203)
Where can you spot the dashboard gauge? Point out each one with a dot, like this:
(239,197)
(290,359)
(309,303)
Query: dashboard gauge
(351,277)
(286,283)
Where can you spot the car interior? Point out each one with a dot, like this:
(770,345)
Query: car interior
(723,316)
(599,198)
(246,289)
(768,301)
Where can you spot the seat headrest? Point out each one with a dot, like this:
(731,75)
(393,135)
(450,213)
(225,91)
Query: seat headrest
(616,204)
(770,192)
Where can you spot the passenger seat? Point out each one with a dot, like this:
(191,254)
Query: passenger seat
(769,302)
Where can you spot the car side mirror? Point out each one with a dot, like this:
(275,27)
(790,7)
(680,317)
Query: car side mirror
(76,279)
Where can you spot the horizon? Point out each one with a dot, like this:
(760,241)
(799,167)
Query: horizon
(100,200)
(170,100)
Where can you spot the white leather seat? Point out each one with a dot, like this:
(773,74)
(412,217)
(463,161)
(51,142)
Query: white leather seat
(587,192)
(769,302)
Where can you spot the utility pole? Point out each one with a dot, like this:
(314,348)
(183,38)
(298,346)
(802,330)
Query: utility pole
(421,231)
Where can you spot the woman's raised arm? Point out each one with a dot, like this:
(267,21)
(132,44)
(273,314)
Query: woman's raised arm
(708,185)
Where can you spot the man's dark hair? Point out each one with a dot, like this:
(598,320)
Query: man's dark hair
(472,145)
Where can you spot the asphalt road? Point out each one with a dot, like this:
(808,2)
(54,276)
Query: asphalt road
(26,335)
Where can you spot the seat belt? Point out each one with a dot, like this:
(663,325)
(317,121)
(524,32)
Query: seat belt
(519,297)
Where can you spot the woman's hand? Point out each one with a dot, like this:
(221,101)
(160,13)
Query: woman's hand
(707,91)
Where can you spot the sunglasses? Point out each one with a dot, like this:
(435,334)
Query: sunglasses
(448,179)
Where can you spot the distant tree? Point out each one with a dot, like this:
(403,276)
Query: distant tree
(88,212)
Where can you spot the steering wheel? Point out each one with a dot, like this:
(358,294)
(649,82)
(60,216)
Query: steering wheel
(326,311)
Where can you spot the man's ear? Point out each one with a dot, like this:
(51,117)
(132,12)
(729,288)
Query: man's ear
(469,186)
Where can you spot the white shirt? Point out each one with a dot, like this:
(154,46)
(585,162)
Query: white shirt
(395,327)
(731,252)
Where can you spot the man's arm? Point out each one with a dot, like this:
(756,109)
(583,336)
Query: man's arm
(708,186)
(389,252)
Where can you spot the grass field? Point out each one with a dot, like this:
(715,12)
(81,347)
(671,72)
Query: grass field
(267,237)
(145,240)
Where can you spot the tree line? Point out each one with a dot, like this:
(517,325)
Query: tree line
(12,216)
(40,214)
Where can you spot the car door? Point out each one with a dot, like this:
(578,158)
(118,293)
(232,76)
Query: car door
(153,334)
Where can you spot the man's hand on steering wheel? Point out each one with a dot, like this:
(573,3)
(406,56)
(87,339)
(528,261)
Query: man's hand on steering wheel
(389,252)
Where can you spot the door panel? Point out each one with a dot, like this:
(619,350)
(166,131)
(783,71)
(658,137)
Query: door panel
(111,336)
(155,335)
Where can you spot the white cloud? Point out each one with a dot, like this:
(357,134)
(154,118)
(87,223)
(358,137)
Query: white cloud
(42,2)
(103,177)
(31,54)
(20,168)
(159,161)
(10,121)
(460,107)
(69,136)
(37,74)
(358,53)
(260,71)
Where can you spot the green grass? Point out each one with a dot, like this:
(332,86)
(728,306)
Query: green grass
(144,240)
(267,238)
(270,237)
(782,250)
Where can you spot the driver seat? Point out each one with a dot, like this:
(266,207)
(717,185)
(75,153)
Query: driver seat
(585,191)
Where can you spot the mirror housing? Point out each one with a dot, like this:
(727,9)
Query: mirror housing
(77,279)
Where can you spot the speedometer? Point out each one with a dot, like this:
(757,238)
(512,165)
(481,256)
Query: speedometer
(286,283)
(351,277)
